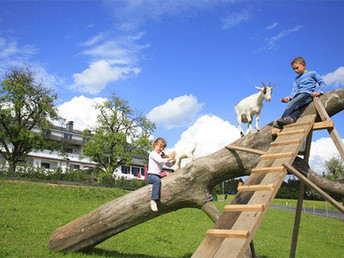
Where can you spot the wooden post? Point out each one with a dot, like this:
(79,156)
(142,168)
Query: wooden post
(332,131)
(315,187)
(300,201)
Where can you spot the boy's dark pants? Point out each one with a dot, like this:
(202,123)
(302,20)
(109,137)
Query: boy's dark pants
(295,105)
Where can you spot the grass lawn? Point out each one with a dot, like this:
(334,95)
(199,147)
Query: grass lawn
(30,212)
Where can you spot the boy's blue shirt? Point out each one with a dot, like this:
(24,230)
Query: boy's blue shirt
(308,82)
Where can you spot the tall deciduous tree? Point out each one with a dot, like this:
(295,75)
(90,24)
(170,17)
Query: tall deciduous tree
(25,106)
(335,169)
(120,134)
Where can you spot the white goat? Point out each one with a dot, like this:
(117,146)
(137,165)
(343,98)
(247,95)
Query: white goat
(252,106)
(183,150)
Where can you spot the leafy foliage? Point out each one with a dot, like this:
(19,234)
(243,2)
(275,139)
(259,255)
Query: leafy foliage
(335,169)
(121,133)
(25,104)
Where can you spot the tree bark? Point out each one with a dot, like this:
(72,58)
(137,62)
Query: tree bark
(187,187)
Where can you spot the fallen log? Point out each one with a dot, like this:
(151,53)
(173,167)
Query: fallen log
(187,187)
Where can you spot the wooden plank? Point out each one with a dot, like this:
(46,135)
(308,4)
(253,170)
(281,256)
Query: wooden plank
(315,187)
(295,141)
(232,147)
(251,221)
(268,169)
(244,207)
(298,212)
(317,126)
(297,124)
(321,109)
(227,233)
(250,188)
(277,155)
(297,220)
(275,131)
(288,133)
(323,125)
(229,247)
(333,132)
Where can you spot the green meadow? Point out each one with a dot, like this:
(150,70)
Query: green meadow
(30,212)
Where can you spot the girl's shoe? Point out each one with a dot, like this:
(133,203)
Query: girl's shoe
(154,206)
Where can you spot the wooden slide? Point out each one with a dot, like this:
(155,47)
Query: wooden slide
(236,227)
(234,230)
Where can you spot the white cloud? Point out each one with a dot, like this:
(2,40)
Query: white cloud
(81,110)
(132,14)
(99,74)
(272,42)
(111,60)
(272,26)
(94,40)
(10,49)
(322,150)
(336,78)
(210,133)
(176,112)
(235,19)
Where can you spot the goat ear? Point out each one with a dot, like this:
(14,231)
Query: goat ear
(258,88)
(273,86)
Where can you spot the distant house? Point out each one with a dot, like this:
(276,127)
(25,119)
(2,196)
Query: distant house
(72,144)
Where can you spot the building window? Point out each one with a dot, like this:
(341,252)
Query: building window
(125,170)
(68,136)
(68,150)
(74,166)
(45,165)
(135,171)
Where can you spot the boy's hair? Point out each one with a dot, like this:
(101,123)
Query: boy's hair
(298,60)
(160,140)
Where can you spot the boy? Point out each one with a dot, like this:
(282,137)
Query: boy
(307,85)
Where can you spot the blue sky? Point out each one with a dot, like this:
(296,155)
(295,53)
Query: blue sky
(184,64)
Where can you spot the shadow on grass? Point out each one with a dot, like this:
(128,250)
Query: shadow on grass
(107,253)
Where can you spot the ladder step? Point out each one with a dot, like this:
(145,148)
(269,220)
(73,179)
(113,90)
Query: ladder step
(227,233)
(296,141)
(232,147)
(268,169)
(300,131)
(328,124)
(253,188)
(297,124)
(277,155)
(244,207)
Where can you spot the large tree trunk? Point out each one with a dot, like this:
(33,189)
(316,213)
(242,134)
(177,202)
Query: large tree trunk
(187,187)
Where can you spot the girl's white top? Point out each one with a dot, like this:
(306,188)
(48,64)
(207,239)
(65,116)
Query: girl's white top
(156,162)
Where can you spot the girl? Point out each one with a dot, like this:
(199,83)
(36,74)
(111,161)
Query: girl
(156,160)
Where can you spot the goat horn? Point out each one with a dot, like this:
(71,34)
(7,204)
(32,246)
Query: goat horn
(263,84)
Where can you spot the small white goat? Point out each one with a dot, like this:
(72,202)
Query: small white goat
(252,106)
(183,151)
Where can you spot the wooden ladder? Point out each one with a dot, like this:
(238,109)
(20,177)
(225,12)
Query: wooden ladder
(234,230)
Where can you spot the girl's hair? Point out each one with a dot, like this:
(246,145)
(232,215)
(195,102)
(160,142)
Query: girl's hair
(298,60)
(160,140)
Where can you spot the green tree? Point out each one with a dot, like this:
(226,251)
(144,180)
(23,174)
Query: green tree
(334,168)
(25,106)
(120,134)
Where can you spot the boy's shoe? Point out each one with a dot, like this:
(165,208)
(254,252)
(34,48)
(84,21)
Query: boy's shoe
(154,206)
(285,121)
(276,125)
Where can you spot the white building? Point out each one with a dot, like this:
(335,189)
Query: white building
(72,144)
